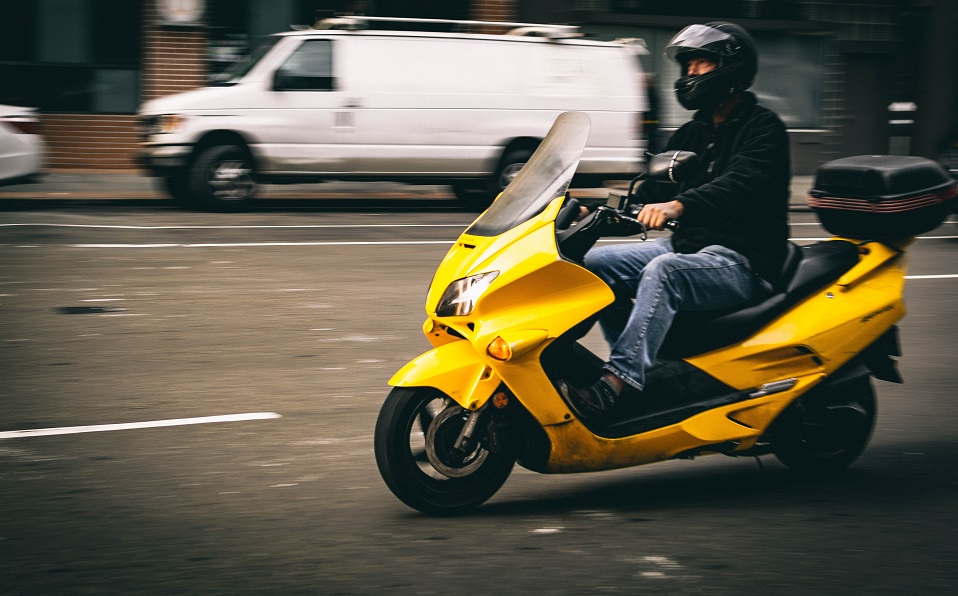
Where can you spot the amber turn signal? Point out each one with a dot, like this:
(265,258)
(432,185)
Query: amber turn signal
(499,349)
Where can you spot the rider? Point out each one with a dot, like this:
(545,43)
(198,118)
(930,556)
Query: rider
(732,239)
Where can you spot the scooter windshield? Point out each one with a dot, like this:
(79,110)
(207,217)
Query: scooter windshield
(546,176)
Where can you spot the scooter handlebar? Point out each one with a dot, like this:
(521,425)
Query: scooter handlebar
(635,208)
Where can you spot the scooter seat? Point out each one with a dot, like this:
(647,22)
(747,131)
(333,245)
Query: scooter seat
(806,270)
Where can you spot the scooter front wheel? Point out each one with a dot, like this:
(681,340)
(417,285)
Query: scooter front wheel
(415,450)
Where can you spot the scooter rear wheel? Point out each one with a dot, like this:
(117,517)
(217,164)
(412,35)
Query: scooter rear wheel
(414,446)
(827,429)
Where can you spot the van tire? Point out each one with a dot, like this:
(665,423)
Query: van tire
(221,178)
(477,196)
(473,196)
(176,186)
(509,167)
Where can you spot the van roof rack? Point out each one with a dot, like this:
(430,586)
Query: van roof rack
(357,23)
(636,44)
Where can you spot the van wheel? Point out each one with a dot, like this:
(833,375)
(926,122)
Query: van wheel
(474,196)
(176,186)
(508,169)
(222,178)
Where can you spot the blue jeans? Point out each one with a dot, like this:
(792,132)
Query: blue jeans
(663,282)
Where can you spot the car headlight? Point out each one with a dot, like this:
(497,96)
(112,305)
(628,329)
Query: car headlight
(163,123)
(460,297)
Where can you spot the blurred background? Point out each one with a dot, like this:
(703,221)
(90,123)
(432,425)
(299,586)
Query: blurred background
(847,76)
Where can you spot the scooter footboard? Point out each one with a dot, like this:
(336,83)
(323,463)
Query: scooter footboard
(456,370)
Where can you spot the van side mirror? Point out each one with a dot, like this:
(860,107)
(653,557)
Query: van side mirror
(673,166)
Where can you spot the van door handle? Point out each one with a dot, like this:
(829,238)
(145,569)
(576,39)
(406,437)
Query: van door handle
(353,103)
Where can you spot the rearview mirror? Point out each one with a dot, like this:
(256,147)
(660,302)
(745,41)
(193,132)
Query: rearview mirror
(673,166)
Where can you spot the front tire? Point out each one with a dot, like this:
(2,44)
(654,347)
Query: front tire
(176,186)
(414,438)
(828,428)
(222,178)
(477,196)
(473,196)
(509,167)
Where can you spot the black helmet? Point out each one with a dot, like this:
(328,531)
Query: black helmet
(728,45)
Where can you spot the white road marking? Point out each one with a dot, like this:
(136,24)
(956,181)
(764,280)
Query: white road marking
(249,227)
(71,430)
(264,244)
(362,243)
(278,227)
(793,239)
(947,276)
(380,243)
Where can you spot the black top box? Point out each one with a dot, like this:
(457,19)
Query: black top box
(882,197)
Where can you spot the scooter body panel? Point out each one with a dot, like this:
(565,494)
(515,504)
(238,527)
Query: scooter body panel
(730,428)
(455,369)
(824,331)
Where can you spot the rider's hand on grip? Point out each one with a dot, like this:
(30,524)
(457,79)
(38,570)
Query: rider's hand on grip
(658,216)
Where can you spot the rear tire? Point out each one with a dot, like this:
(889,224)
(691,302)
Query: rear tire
(421,466)
(827,429)
(221,178)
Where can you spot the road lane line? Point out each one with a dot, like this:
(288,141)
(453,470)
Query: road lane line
(291,227)
(947,276)
(72,430)
(266,244)
(234,227)
(375,243)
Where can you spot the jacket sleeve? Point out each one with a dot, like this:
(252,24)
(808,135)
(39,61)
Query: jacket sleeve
(653,191)
(758,161)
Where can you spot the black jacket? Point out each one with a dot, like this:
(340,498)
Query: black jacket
(741,199)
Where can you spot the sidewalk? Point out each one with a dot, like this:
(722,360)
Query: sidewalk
(130,186)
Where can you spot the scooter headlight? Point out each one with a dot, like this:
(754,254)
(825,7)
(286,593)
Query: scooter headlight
(460,297)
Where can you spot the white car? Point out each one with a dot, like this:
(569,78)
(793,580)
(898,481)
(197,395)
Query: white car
(21,144)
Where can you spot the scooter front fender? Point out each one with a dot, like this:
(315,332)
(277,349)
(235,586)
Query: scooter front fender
(456,369)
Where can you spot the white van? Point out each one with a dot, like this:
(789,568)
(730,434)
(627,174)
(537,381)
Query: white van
(409,106)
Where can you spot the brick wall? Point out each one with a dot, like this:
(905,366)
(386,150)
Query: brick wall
(90,141)
(494,10)
(174,58)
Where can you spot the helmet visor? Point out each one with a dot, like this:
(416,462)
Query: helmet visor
(701,38)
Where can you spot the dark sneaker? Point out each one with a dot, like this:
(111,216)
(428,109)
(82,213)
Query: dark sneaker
(595,401)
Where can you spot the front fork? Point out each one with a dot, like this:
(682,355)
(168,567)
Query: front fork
(503,425)
(467,441)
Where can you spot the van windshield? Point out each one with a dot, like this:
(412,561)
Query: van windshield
(236,71)
(546,176)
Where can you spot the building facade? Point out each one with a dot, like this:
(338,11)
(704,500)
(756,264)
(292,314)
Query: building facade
(830,68)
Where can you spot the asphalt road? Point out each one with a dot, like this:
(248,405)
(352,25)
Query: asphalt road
(285,324)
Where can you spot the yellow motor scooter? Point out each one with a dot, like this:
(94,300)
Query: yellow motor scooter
(790,376)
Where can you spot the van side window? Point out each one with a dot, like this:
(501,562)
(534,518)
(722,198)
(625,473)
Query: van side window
(309,68)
